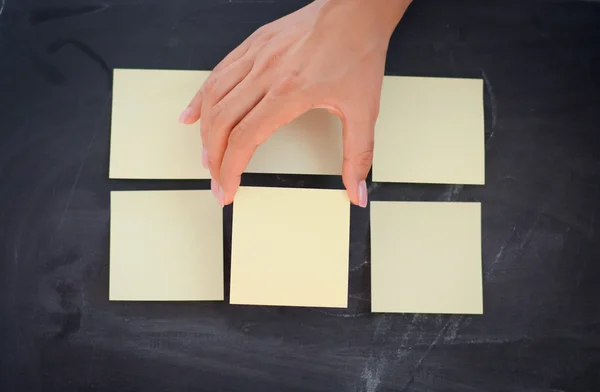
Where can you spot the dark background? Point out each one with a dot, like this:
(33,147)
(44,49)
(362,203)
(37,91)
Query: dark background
(540,61)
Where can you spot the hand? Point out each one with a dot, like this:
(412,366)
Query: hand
(329,54)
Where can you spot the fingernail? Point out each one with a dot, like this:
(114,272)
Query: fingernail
(221,195)
(204,158)
(362,194)
(214,188)
(184,116)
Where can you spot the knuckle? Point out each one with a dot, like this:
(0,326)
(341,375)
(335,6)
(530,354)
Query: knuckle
(363,159)
(242,136)
(210,85)
(239,135)
(260,31)
(263,33)
(272,61)
(246,64)
(216,111)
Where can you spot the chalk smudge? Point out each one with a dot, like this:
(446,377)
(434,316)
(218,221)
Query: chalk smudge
(453,329)
(493,104)
(405,349)
(360,266)
(419,363)
(375,365)
(371,375)
(493,101)
(340,315)
(451,194)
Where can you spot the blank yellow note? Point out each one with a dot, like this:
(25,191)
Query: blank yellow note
(426,257)
(430,130)
(146,139)
(290,247)
(165,246)
(148,142)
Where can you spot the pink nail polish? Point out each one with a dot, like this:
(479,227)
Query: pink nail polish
(204,158)
(184,116)
(362,194)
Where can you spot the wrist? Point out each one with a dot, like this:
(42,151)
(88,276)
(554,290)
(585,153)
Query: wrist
(379,15)
(387,12)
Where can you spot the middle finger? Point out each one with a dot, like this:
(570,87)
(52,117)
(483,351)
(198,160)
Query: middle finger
(226,114)
(217,86)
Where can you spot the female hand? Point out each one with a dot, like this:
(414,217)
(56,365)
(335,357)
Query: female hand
(329,54)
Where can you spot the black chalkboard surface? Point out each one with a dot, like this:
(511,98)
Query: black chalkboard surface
(540,61)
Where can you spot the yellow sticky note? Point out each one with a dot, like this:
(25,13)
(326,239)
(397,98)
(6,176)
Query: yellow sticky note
(165,246)
(148,142)
(426,257)
(290,247)
(430,130)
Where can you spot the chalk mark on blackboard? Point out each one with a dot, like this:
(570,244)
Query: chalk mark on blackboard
(450,330)
(375,365)
(359,298)
(405,349)
(373,186)
(371,375)
(453,329)
(419,363)
(500,253)
(341,315)
(2,6)
(360,266)
(493,102)
(489,273)
(451,194)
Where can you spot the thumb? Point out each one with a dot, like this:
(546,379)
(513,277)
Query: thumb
(358,139)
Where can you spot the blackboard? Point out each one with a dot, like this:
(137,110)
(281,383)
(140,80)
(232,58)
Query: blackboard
(540,331)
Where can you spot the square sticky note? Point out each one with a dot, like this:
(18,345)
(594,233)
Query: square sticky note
(165,246)
(426,257)
(148,142)
(290,247)
(430,130)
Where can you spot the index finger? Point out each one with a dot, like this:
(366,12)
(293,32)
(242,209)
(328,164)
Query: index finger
(255,128)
